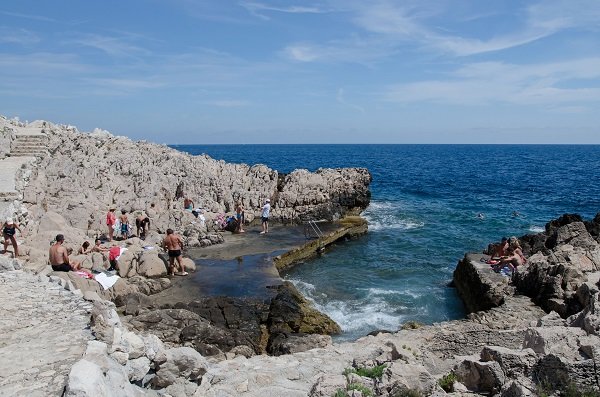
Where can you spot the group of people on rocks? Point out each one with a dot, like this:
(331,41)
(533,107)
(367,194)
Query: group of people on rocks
(507,254)
(142,223)
(235,224)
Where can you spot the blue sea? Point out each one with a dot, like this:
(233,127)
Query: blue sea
(430,205)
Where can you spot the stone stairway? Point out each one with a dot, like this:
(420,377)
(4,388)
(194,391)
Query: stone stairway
(29,145)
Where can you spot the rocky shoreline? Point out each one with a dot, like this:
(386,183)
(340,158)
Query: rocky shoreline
(535,333)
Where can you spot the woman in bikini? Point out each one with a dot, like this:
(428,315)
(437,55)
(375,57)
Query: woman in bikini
(9,229)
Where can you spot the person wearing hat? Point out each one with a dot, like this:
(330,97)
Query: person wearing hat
(264,216)
(111,219)
(9,229)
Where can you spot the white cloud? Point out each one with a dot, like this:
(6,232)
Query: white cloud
(28,16)
(18,36)
(113,46)
(494,82)
(256,9)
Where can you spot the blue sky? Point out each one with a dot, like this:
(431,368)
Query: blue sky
(332,71)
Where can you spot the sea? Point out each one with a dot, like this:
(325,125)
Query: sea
(430,205)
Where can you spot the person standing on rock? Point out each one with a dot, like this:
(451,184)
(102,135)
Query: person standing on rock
(111,219)
(9,229)
(124,224)
(174,244)
(239,214)
(264,216)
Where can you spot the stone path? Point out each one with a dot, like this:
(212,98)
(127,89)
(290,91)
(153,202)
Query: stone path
(43,332)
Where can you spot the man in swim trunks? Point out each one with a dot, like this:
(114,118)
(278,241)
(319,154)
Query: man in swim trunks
(59,258)
(173,244)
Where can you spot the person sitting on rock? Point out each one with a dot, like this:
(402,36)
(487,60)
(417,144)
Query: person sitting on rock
(9,229)
(142,222)
(85,248)
(113,258)
(58,257)
(514,255)
(98,247)
(500,249)
(188,204)
(124,224)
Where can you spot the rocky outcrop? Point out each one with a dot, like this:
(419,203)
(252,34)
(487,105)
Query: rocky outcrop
(225,326)
(86,173)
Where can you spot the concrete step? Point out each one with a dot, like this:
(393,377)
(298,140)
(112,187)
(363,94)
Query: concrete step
(29,146)
(31,138)
(8,196)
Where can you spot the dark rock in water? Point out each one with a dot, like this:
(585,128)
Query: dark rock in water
(557,223)
(241,317)
(477,284)
(593,227)
(533,243)
(290,312)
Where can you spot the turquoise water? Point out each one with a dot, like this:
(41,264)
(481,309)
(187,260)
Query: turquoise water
(423,218)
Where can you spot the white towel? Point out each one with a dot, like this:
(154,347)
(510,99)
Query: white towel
(106,281)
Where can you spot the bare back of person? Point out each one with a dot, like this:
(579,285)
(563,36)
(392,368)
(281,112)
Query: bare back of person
(173,242)
(58,255)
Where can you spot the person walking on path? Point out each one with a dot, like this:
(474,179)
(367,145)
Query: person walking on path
(264,216)
(9,229)
(111,219)
(173,244)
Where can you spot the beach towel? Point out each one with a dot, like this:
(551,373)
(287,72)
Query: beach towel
(83,274)
(106,281)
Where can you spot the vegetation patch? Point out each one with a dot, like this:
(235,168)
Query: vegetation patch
(447,382)
(374,373)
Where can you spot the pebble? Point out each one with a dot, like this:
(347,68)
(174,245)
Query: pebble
(43,332)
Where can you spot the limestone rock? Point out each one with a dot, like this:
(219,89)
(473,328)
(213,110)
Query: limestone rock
(327,386)
(183,362)
(283,343)
(480,376)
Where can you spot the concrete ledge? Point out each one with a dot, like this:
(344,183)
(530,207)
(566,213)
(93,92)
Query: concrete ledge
(349,227)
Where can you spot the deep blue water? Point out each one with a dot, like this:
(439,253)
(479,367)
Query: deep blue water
(423,218)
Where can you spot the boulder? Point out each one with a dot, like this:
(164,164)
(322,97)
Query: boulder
(480,376)
(182,362)
(151,265)
(328,385)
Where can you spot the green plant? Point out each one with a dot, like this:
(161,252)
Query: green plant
(374,373)
(573,391)
(340,393)
(365,391)
(446,382)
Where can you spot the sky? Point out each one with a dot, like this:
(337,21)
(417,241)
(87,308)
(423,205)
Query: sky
(330,71)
